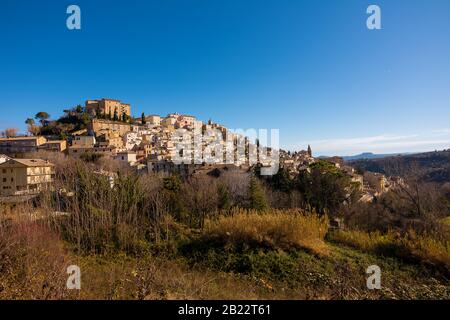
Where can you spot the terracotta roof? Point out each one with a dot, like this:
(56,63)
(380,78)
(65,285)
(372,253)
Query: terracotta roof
(28,162)
(19,138)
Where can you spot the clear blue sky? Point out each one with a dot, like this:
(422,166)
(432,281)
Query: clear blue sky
(310,68)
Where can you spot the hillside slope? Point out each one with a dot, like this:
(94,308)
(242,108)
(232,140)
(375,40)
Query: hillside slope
(430,166)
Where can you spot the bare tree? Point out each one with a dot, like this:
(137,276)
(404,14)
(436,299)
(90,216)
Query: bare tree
(9,132)
(201,197)
(33,129)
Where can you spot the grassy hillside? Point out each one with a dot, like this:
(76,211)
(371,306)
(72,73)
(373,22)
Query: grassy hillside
(226,237)
(274,255)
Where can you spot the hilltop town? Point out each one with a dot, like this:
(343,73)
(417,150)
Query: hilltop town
(106,129)
(172,198)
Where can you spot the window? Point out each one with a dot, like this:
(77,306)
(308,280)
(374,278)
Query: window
(4,179)
(4,170)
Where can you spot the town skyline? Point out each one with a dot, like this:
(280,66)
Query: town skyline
(386,144)
(315,71)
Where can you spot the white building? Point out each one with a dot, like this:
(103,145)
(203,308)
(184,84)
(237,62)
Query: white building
(128,157)
(132,139)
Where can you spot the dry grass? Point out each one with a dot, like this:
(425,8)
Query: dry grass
(367,242)
(446,223)
(157,278)
(411,246)
(33,262)
(275,229)
(428,249)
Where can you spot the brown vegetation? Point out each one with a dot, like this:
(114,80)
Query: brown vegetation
(275,229)
(162,237)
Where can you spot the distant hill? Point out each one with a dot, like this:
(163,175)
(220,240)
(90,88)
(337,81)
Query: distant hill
(370,155)
(430,166)
(366,155)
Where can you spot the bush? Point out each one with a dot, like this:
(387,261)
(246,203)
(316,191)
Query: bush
(411,246)
(274,229)
(33,262)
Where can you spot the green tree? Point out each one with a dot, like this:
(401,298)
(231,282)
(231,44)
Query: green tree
(326,188)
(172,191)
(257,196)
(98,113)
(42,116)
(225,201)
(30,122)
(281,181)
(79,109)
(143,121)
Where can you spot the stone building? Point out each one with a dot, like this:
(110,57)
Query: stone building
(100,126)
(108,107)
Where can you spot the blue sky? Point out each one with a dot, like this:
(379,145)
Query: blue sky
(310,68)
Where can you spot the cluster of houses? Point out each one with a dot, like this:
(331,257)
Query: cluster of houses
(371,184)
(146,143)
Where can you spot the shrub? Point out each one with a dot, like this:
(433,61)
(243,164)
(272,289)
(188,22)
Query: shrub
(275,229)
(33,262)
(411,246)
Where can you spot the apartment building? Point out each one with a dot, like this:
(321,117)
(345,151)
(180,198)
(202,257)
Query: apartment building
(20,145)
(108,107)
(54,145)
(25,176)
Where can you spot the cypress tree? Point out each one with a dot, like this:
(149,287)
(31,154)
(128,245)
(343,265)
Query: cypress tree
(257,197)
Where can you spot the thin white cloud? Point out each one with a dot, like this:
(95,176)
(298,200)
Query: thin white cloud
(442,131)
(386,143)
